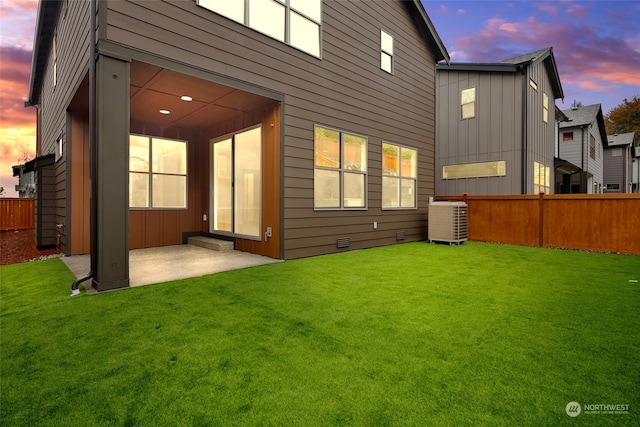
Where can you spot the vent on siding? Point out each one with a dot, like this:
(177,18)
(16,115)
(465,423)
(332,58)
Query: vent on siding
(400,235)
(343,242)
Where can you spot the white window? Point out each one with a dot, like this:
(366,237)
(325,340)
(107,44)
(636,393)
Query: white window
(157,173)
(295,22)
(386,52)
(59,147)
(541,178)
(475,170)
(545,108)
(340,174)
(616,152)
(55,59)
(533,84)
(399,176)
(468,103)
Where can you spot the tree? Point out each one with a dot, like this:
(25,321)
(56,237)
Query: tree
(624,118)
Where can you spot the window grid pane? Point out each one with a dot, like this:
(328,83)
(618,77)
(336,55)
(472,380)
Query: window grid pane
(340,169)
(268,17)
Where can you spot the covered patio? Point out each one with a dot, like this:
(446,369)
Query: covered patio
(166,263)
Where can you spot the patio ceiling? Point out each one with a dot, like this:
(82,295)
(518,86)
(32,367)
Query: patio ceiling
(154,89)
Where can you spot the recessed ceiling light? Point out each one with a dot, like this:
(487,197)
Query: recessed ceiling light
(165,112)
(186,98)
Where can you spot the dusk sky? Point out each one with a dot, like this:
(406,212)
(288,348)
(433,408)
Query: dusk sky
(596,45)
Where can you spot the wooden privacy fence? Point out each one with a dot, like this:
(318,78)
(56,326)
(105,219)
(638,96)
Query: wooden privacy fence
(598,222)
(16,214)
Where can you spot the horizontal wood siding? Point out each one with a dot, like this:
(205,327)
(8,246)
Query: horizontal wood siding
(16,214)
(606,223)
(72,64)
(346,89)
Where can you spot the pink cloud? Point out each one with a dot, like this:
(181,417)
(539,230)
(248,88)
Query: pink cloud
(18,22)
(583,56)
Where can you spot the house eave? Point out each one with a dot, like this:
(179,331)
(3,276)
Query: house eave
(42,40)
(440,50)
(482,67)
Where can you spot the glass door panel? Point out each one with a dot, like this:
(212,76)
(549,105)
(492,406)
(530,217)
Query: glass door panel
(237,184)
(222,186)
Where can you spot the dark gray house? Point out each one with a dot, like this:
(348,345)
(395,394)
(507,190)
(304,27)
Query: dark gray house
(293,128)
(617,163)
(581,141)
(496,125)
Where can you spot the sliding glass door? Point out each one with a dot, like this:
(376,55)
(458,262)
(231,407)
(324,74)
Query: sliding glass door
(237,184)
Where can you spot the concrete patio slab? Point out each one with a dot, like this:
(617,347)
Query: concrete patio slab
(166,263)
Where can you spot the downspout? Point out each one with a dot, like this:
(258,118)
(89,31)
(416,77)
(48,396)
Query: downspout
(92,151)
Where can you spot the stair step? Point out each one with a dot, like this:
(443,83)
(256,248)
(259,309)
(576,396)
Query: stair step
(211,243)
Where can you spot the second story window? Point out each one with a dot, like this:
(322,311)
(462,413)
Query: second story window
(468,103)
(295,22)
(567,136)
(545,108)
(55,59)
(592,146)
(386,52)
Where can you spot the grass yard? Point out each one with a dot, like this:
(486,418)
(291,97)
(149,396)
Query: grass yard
(412,334)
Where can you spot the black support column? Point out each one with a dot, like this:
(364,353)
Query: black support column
(112,174)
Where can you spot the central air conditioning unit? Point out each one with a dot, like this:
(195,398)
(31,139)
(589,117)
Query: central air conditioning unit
(448,222)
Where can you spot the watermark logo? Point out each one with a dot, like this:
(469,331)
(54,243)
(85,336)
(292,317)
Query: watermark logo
(573,409)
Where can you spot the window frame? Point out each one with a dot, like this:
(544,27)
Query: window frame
(342,170)
(592,146)
(614,187)
(567,136)
(400,177)
(545,107)
(464,104)
(541,178)
(386,53)
(150,174)
(289,11)
(500,166)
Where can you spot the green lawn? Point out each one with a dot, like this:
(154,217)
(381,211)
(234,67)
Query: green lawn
(413,334)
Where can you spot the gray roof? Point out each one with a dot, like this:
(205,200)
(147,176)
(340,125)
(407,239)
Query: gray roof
(511,65)
(581,116)
(620,139)
(584,116)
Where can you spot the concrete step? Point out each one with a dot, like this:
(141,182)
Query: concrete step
(211,243)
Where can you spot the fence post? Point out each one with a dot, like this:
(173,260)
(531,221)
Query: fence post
(541,223)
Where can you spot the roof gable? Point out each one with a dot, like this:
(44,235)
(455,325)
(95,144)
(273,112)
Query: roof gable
(511,65)
(620,139)
(584,116)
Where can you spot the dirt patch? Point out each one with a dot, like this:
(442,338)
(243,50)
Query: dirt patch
(19,246)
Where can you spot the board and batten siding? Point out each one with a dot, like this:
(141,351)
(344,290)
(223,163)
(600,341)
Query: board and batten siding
(494,134)
(540,134)
(345,89)
(617,169)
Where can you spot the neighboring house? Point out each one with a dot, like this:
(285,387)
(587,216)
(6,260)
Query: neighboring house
(293,128)
(496,125)
(26,186)
(618,166)
(581,141)
(635,178)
